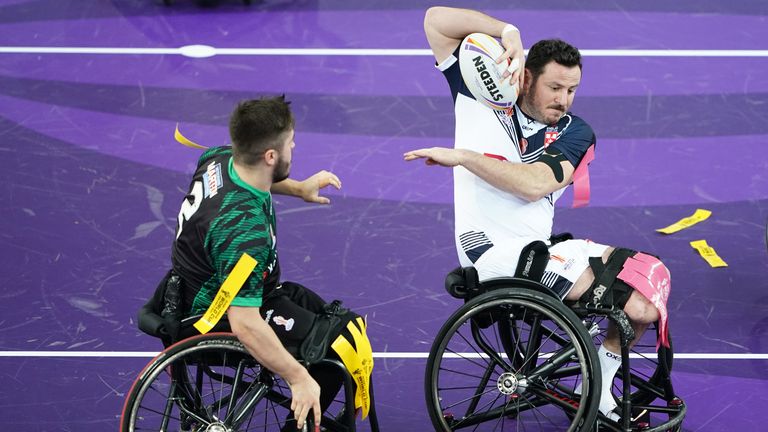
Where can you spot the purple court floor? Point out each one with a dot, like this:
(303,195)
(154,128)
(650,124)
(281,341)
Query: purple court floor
(91,178)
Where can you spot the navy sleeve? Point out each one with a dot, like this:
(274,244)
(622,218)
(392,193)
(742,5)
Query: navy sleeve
(453,76)
(574,140)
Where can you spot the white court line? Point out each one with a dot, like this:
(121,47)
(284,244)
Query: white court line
(200,51)
(382,355)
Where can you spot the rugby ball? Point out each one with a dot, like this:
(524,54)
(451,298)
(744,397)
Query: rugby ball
(481,73)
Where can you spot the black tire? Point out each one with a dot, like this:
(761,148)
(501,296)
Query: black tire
(203,381)
(538,369)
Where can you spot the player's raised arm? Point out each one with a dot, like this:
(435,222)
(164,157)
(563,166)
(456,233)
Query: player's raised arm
(445,27)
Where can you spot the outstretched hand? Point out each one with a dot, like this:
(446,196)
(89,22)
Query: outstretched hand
(513,46)
(442,156)
(310,188)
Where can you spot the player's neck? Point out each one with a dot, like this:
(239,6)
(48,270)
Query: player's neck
(255,176)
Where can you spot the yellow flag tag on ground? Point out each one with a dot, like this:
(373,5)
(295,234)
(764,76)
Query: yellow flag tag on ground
(708,253)
(186,141)
(227,292)
(359,362)
(684,223)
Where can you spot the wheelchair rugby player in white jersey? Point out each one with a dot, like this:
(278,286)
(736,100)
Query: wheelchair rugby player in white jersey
(510,167)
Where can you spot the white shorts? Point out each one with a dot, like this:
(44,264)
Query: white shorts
(567,261)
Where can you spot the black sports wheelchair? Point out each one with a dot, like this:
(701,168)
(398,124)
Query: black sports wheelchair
(210,383)
(514,357)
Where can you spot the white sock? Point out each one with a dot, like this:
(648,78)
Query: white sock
(609,364)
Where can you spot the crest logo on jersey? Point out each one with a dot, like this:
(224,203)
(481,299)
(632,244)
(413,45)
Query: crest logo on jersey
(212,180)
(550,136)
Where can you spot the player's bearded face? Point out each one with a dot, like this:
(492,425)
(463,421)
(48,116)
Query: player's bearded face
(282,169)
(284,157)
(550,95)
(542,108)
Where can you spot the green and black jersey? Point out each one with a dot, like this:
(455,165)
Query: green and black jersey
(221,219)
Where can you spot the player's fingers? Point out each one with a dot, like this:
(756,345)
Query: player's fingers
(335,181)
(325,178)
(513,71)
(521,76)
(514,80)
(505,55)
(318,413)
(514,66)
(301,416)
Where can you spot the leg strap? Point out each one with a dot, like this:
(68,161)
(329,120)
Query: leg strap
(607,290)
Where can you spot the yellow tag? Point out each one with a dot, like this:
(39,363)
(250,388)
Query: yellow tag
(684,223)
(359,363)
(186,141)
(708,253)
(227,292)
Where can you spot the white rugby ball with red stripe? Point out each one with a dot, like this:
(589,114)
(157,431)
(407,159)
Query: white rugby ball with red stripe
(481,73)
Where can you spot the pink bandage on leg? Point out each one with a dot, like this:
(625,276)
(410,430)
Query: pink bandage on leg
(651,278)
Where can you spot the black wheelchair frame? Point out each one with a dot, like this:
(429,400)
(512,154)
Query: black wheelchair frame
(515,357)
(211,383)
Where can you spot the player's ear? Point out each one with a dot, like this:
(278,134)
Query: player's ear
(527,81)
(270,157)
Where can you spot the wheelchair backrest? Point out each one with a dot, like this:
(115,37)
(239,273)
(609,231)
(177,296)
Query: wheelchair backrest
(464,283)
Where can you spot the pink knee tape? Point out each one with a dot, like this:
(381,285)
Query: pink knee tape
(651,278)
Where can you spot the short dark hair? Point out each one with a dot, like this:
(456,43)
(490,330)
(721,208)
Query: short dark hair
(256,125)
(548,50)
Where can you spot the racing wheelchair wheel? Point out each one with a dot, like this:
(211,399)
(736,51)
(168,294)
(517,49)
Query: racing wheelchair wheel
(206,383)
(513,359)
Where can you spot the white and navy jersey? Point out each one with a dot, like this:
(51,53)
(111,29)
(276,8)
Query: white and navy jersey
(486,215)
